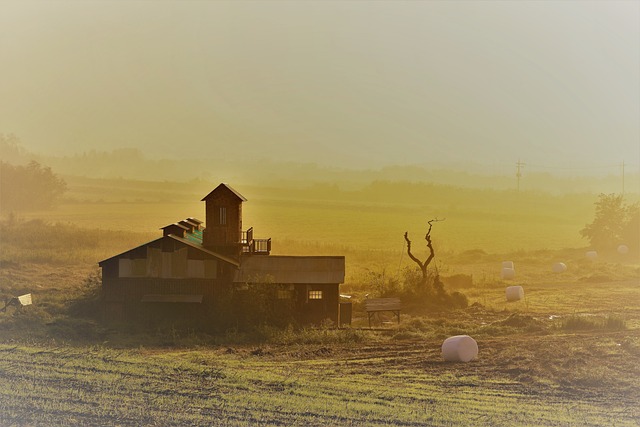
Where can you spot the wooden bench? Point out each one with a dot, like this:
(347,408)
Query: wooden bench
(375,305)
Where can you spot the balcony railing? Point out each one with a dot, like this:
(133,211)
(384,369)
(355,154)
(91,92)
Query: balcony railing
(254,246)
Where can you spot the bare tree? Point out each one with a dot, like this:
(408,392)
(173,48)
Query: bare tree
(423,265)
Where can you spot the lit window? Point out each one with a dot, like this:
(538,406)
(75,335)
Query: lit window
(315,294)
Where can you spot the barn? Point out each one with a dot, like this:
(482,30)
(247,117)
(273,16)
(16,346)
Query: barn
(217,274)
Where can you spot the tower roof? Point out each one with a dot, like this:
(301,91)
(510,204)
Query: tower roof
(224,188)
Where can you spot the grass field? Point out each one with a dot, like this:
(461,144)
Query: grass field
(373,217)
(567,355)
(398,383)
(366,225)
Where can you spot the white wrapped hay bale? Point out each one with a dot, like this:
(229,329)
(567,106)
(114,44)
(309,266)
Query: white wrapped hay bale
(507,273)
(592,255)
(515,293)
(623,249)
(508,264)
(459,348)
(559,267)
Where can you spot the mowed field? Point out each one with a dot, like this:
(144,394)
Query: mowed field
(566,355)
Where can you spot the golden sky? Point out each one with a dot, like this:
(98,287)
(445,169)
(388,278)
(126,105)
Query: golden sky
(352,83)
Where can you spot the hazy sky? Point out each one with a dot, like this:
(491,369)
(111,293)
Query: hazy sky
(346,83)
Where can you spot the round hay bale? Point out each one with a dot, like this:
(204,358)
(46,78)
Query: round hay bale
(459,348)
(623,249)
(559,267)
(515,293)
(507,273)
(508,264)
(592,255)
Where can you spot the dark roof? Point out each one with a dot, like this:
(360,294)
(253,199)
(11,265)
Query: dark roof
(181,240)
(132,249)
(202,249)
(292,269)
(175,224)
(223,187)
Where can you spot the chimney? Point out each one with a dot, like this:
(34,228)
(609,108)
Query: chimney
(175,229)
(195,222)
(223,232)
(190,226)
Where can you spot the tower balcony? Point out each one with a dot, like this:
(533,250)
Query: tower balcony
(251,246)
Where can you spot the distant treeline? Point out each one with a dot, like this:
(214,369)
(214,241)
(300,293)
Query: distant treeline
(131,163)
(29,187)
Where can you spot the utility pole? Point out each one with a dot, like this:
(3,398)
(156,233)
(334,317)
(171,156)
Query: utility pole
(623,178)
(519,165)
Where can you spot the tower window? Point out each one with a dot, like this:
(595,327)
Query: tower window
(223,216)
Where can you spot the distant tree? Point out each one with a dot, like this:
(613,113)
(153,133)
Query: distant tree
(631,230)
(615,222)
(29,187)
(11,150)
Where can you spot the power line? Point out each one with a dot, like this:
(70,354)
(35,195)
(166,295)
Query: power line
(610,166)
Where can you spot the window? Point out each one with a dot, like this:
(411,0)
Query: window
(284,294)
(223,216)
(315,294)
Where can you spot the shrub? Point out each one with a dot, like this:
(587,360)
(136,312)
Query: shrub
(459,280)
(418,297)
(585,323)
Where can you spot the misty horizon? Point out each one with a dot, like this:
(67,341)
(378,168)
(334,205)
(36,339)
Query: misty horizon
(134,164)
(358,85)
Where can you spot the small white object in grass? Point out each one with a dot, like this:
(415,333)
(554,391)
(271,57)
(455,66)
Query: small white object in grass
(507,273)
(25,299)
(559,267)
(515,293)
(459,348)
(508,264)
(623,249)
(591,255)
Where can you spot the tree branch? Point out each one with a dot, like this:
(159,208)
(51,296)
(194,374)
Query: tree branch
(416,260)
(427,237)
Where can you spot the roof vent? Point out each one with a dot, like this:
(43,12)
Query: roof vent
(175,229)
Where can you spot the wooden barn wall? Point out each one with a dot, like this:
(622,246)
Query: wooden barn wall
(134,288)
(315,311)
(122,298)
(165,259)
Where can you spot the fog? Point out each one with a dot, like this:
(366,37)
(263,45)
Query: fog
(346,84)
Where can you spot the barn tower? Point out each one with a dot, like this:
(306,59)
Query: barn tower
(223,232)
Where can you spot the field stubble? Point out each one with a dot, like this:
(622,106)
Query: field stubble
(546,380)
